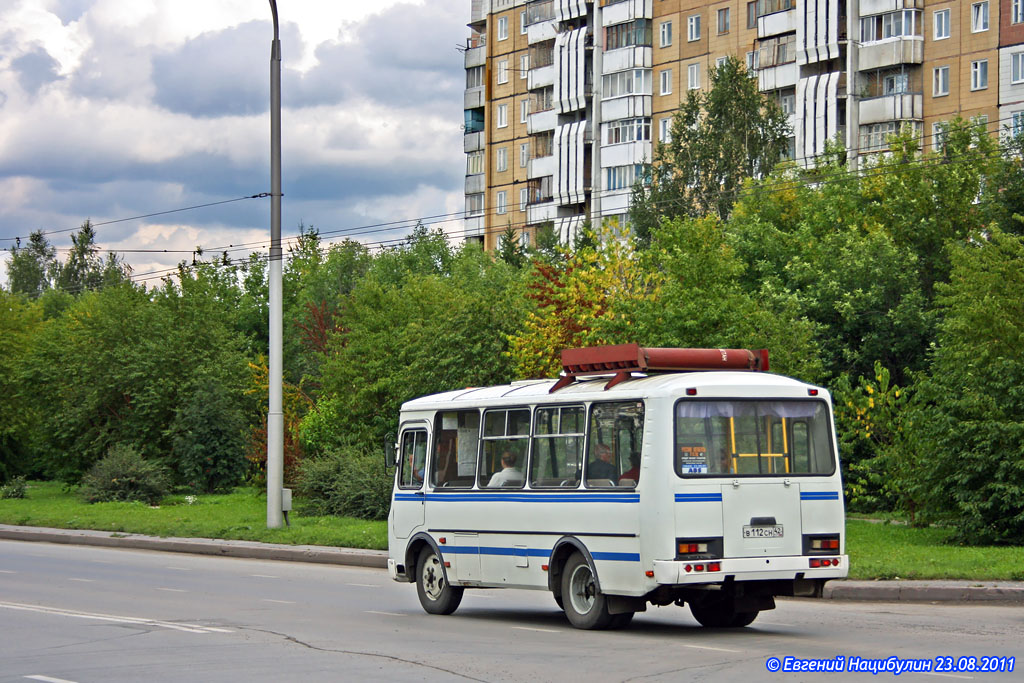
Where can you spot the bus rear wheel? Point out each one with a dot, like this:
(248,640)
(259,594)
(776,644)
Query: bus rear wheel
(721,614)
(436,595)
(585,606)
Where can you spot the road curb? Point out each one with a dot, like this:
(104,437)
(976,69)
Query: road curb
(1011,592)
(200,546)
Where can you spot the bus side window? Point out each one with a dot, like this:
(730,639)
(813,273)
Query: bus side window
(506,440)
(615,430)
(413,458)
(557,447)
(457,442)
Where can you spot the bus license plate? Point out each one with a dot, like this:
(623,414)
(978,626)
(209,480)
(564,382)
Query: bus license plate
(763,531)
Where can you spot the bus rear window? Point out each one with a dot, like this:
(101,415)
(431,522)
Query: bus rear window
(752,437)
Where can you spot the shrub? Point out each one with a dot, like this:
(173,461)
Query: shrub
(15,488)
(208,439)
(347,482)
(123,475)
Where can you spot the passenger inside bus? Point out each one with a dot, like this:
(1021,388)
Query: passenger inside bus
(602,467)
(508,475)
(631,476)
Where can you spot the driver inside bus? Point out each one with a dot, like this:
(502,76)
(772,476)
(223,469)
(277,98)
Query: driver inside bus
(508,475)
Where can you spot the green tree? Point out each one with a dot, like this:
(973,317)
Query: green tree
(968,415)
(31,269)
(509,249)
(719,137)
(20,321)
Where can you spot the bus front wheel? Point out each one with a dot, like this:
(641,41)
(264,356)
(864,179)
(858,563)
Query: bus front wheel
(585,606)
(436,595)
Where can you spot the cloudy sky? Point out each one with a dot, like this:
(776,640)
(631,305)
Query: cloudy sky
(115,108)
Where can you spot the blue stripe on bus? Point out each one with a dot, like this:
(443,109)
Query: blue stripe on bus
(819,495)
(698,497)
(531,552)
(524,497)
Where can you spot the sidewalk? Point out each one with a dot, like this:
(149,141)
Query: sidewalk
(892,591)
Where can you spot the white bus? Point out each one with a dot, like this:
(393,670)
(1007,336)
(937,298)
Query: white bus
(641,476)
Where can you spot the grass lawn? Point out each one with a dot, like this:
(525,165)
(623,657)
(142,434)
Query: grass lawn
(241,515)
(877,550)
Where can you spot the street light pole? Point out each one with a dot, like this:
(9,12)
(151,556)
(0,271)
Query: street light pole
(275,415)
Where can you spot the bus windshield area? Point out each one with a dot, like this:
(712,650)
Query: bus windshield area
(752,437)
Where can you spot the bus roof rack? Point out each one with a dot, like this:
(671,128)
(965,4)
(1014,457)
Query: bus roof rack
(624,359)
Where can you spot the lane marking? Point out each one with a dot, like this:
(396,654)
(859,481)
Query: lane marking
(102,561)
(173,590)
(539,630)
(179,569)
(932,673)
(188,628)
(363,585)
(387,614)
(49,679)
(7,571)
(707,647)
(263,576)
(83,580)
(280,602)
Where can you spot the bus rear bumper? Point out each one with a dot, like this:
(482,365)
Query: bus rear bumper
(675,572)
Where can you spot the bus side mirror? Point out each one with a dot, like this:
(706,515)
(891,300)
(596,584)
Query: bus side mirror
(390,453)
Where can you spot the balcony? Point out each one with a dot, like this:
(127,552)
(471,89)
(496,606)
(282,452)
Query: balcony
(541,77)
(896,107)
(635,56)
(890,52)
(479,11)
(776,77)
(473,142)
(473,226)
(776,23)
(619,12)
(473,98)
(475,183)
(476,56)
(628,107)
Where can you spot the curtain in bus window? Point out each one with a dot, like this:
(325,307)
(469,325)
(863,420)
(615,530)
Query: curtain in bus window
(457,440)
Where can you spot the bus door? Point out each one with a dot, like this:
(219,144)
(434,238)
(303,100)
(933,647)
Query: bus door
(410,495)
(761,516)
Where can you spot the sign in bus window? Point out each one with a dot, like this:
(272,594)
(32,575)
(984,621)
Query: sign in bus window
(505,444)
(758,438)
(613,453)
(557,447)
(413,458)
(457,438)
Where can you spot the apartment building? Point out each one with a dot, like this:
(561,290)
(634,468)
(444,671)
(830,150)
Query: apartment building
(565,99)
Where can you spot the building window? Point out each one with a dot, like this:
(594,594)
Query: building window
(751,15)
(1017,123)
(502,116)
(693,28)
(940,81)
(720,62)
(979,74)
(1017,67)
(474,163)
(500,205)
(787,103)
(524,110)
(524,66)
(665,130)
(753,60)
(1017,11)
(939,130)
(637,32)
(723,21)
(621,177)
(522,23)
(474,204)
(941,27)
(501,159)
(874,137)
(503,71)
(666,34)
(693,76)
(665,78)
(890,25)
(474,77)
(524,199)
(632,82)
(894,84)
(627,130)
(524,154)
(502,28)
(524,239)
(979,16)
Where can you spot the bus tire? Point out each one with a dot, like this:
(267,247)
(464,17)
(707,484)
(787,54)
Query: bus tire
(721,614)
(436,595)
(585,606)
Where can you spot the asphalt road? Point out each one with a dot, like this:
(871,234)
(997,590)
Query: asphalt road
(87,614)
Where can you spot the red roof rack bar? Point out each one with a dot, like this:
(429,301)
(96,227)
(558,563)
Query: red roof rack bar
(624,359)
